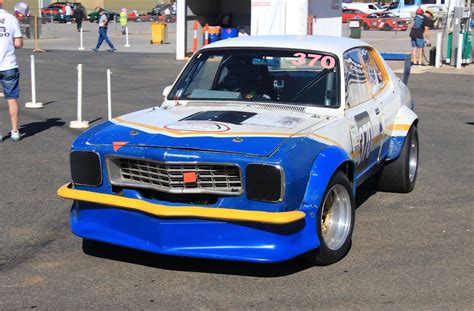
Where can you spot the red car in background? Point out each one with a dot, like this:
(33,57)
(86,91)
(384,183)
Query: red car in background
(385,21)
(348,14)
(21,17)
(52,9)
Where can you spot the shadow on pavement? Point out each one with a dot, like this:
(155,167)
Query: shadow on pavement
(34,128)
(366,190)
(118,253)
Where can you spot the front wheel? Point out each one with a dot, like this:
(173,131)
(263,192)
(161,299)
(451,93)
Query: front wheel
(400,175)
(366,26)
(335,222)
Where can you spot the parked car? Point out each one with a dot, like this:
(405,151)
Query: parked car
(364,7)
(348,14)
(163,9)
(95,16)
(57,11)
(132,15)
(385,21)
(255,154)
(21,17)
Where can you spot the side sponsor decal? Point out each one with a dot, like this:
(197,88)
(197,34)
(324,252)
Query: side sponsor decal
(201,126)
(364,126)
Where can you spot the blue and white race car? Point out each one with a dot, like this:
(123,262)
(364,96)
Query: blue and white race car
(255,154)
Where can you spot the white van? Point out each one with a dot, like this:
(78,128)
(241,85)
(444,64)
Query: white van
(364,7)
(407,8)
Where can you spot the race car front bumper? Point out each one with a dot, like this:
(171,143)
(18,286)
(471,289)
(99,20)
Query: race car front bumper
(216,233)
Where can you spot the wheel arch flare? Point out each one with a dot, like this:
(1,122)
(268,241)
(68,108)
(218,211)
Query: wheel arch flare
(404,120)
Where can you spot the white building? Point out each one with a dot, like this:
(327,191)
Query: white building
(257,17)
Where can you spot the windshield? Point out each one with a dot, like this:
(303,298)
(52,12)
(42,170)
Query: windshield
(283,76)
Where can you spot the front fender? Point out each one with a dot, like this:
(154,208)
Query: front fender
(324,167)
(403,122)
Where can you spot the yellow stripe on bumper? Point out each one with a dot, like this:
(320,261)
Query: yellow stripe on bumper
(227,214)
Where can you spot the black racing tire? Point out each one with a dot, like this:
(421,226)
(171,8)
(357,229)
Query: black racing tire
(365,26)
(387,27)
(400,175)
(336,240)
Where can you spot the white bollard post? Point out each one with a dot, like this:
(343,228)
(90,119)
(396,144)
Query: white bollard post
(109,95)
(33,104)
(439,38)
(81,47)
(79,123)
(127,44)
(459,52)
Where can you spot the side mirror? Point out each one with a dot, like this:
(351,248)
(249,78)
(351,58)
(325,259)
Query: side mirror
(167,90)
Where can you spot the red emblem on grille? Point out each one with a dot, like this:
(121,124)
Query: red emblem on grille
(190,177)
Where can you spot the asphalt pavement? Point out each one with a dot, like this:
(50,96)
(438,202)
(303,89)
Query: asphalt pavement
(410,251)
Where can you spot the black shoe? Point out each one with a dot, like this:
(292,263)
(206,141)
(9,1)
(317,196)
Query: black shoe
(95,50)
(112,50)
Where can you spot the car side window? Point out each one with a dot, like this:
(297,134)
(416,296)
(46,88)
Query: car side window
(372,67)
(356,76)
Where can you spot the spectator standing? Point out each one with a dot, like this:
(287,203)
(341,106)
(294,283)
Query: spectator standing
(124,20)
(10,39)
(78,17)
(103,26)
(67,13)
(419,34)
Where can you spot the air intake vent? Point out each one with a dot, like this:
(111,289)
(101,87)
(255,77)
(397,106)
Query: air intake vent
(266,106)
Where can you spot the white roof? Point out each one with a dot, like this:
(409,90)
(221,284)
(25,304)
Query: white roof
(335,45)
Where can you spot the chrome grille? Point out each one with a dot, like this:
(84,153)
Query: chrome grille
(168,177)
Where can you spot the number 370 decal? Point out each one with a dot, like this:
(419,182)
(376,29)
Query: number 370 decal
(308,59)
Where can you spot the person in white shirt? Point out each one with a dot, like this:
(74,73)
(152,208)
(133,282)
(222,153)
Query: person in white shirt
(103,25)
(68,13)
(10,39)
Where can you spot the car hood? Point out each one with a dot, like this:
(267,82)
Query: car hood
(252,132)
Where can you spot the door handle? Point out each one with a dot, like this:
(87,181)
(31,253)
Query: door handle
(377,111)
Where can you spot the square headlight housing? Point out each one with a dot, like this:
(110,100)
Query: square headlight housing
(265,182)
(85,168)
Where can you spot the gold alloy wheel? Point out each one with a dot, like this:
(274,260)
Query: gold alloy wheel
(336,217)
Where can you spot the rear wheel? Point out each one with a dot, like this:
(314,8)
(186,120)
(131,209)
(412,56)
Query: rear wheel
(366,26)
(400,175)
(335,222)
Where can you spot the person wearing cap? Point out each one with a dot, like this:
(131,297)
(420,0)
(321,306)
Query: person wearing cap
(103,26)
(10,40)
(124,20)
(419,34)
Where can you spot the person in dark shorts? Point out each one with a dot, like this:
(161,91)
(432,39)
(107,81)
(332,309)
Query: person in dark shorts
(419,34)
(10,39)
